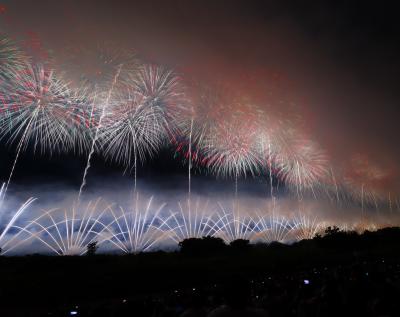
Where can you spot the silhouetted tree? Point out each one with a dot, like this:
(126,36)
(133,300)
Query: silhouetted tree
(240,245)
(92,248)
(331,231)
(204,246)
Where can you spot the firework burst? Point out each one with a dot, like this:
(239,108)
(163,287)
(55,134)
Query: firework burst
(365,184)
(39,109)
(133,127)
(302,165)
(11,58)
(231,150)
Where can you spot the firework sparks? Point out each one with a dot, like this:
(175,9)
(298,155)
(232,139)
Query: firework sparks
(136,231)
(71,233)
(189,222)
(273,228)
(95,67)
(306,227)
(302,165)
(7,243)
(232,150)
(38,108)
(11,58)
(231,226)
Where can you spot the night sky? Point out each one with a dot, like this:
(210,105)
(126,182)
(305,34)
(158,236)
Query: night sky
(336,62)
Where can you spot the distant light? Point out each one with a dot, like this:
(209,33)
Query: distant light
(306,282)
(73,313)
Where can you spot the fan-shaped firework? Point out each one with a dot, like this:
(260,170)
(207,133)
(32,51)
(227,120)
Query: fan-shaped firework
(306,227)
(231,226)
(8,243)
(40,109)
(273,228)
(68,232)
(136,231)
(11,58)
(191,221)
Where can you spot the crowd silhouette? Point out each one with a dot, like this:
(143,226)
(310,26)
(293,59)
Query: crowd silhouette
(332,275)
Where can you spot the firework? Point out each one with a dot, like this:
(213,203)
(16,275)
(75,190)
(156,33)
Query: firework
(364,183)
(363,225)
(97,66)
(306,227)
(97,131)
(39,109)
(189,222)
(231,226)
(68,232)
(138,120)
(11,58)
(7,243)
(136,231)
(273,228)
(161,88)
(205,109)
(231,151)
(302,165)
(133,127)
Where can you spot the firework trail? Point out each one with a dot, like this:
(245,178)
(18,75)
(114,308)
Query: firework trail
(268,141)
(2,194)
(194,123)
(96,134)
(136,231)
(190,161)
(38,108)
(70,234)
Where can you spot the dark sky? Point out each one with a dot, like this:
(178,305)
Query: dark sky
(338,61)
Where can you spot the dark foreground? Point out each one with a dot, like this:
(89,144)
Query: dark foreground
(339,274)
